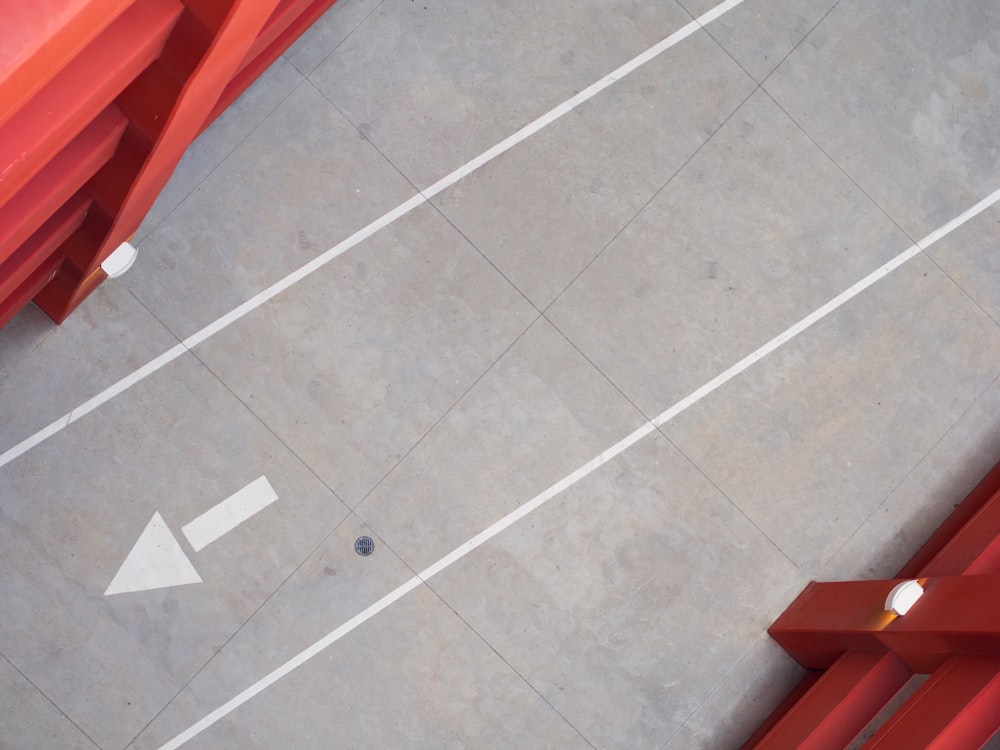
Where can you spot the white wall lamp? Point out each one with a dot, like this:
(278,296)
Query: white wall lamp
(903,596)
(120,260)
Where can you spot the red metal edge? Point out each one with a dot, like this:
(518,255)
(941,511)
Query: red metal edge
(139,187)
(258,61)
(941,539)
(778,712)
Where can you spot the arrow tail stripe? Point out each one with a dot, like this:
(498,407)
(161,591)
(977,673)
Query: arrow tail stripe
(230,513)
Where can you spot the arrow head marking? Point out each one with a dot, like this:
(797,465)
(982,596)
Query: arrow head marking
(155,562)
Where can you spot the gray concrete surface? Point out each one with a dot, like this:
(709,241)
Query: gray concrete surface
(473,353)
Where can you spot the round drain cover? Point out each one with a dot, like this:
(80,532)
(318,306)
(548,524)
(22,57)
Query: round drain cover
(364,545)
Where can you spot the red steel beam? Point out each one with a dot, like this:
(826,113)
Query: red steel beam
(828,619)
(838,705)
(169,65)
(956,614)
(69,280)
(958,707)
(282,15)
(40,277)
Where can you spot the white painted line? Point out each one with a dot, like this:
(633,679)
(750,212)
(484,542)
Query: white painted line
(88,406)
(303,271)
(556,112)
(401,210)
(712,13)
(786,335)
(296,661)
(230,513)
(538,500)
(821,312)
(951,226)
(568,481)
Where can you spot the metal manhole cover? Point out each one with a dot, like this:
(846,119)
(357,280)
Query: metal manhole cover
(364,545)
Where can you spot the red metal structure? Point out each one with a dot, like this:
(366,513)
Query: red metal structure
(98,101)
(859,655)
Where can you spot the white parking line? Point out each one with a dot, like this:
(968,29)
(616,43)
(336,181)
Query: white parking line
(401,210)
(569,480)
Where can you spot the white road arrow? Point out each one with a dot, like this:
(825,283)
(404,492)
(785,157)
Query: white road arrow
(157,560)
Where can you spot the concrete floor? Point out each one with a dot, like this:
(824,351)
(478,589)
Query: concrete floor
(490,342)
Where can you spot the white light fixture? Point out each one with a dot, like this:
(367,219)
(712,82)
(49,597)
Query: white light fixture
(120,260)
(903,596)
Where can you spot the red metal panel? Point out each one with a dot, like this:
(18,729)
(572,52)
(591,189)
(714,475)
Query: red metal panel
(148,100)
(57,113)
(37,261)
(958,707)
(69,280)
(60,178)
(38,279)
(187,45)
(211,14)
(40,246)
(839,705)
(283,14)
(49,33)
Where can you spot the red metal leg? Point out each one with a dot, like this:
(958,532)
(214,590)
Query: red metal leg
(958,707)
(839,705)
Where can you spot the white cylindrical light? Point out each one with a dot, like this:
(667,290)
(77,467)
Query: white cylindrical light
(120,260)
(903,596)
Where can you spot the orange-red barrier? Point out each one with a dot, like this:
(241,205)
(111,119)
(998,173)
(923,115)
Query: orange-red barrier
(859,655)
(98,101)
